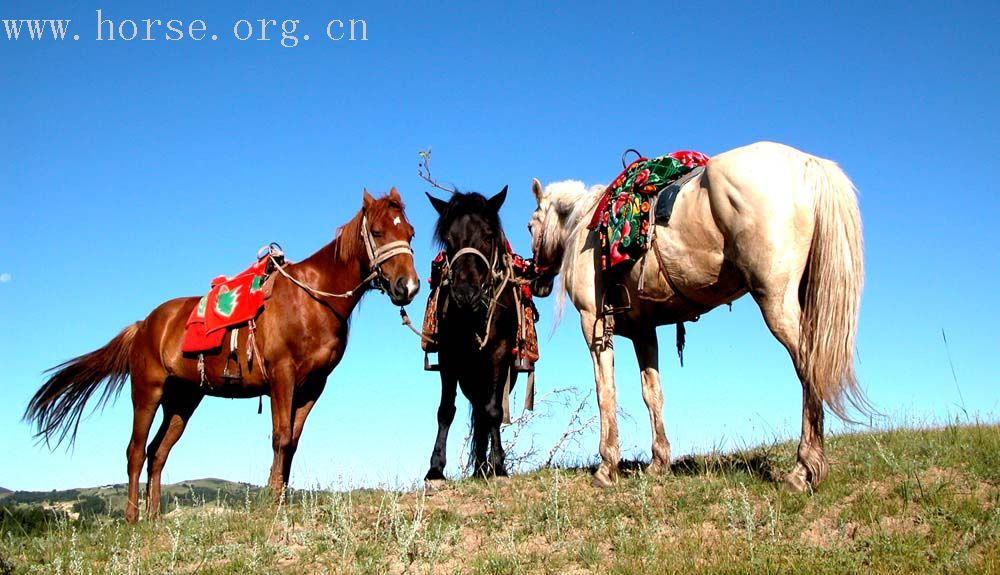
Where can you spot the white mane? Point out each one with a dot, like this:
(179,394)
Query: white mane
(574,204)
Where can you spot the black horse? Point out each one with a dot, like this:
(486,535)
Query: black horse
(477,324)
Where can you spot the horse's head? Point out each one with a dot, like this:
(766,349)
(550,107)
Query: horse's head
(386,234)
(469,229)
(546,244)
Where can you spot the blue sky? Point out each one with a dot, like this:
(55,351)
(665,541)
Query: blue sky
(134,172)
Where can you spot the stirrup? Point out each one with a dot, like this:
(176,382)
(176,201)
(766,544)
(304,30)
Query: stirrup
(610,308)
(523,365)
(428,366)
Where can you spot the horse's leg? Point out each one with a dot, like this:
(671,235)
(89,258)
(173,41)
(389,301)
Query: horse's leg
(494,414)
(282,397)
(480,440)
(782,313)
(647,353)
(178,405)
(603,357)
(445,416)
(303,402)
(146,393)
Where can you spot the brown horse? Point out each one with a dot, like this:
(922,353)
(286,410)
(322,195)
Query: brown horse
(300,337)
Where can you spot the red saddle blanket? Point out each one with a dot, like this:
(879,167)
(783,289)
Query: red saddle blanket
(230,302)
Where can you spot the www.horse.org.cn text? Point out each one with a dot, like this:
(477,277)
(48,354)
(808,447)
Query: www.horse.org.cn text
(287,33)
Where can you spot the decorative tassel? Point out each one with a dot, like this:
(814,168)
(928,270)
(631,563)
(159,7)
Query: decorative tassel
(681,332)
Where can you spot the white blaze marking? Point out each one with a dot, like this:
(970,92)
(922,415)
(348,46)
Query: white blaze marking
(395,221)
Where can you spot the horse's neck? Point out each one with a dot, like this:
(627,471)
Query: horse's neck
(573,230)
(325,272)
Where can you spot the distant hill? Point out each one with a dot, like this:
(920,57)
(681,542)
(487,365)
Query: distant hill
(196,491)
(4,490)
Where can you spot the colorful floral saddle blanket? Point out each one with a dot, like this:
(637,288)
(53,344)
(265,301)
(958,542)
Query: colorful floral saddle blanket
(623,216)
(526,351)
(230,302)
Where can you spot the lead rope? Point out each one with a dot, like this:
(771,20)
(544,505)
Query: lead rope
(320,293)
(406,321)
(495,301)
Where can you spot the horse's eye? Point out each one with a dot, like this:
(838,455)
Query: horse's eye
(377,233)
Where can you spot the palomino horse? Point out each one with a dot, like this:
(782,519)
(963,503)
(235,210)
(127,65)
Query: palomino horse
(300,337)
(765,219)
(477,325)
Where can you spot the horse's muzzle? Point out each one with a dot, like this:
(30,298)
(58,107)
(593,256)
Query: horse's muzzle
(466,296)
(403,290)
(542,286)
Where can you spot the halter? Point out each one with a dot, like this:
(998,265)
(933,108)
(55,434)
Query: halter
(377,255)
(491,266)
(505,273)
(542,270)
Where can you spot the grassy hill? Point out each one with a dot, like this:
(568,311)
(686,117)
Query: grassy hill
(109,499)
(902,501)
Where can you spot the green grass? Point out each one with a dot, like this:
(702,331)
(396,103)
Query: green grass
(900,501)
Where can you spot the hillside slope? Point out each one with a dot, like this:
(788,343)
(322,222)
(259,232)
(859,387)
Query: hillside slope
(196,491)
(902,501)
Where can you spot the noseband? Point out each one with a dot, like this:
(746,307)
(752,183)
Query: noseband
(491,266)
(378,255)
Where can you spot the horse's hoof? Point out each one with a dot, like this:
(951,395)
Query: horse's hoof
(602,478)
(796,481)
(656,468)
(435,484)
(434,475)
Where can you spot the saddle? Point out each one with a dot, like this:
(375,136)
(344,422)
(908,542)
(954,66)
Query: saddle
(230,302)
(624,213)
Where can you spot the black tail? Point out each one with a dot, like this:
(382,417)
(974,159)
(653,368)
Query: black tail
(56,408)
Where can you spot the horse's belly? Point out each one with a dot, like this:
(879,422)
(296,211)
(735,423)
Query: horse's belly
(219,381)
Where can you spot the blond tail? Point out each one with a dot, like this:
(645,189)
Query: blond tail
(833,283)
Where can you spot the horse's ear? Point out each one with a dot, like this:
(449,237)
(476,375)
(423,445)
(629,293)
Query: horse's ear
(496,201)
(536,188)
(368,198)
(394,195)
(439,205)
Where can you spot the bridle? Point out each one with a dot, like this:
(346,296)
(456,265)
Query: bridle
(377,255)
(498,278)
(491,266)
(542,269)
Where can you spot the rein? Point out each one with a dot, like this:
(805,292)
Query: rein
(377,255)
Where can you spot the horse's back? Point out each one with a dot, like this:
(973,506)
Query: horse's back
(160,336)
(762,190)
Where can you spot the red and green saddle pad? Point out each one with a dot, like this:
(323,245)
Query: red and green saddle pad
(230,302)
(623,216)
